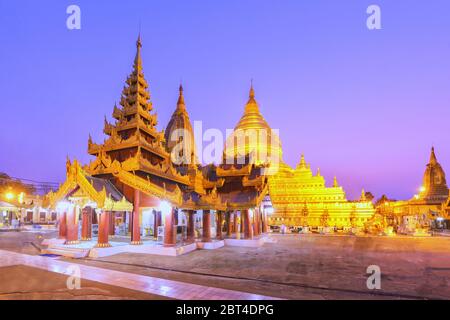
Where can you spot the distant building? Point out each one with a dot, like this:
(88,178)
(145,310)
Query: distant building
(427,209)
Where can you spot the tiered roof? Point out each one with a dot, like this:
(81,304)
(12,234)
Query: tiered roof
(133,139)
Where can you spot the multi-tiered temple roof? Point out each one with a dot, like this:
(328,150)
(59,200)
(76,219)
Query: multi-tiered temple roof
(133,139)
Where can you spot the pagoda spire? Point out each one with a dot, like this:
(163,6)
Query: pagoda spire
(433,159)
(251,94)
(252,105)
(302,163)
(335,182)
(181,106)
(138,59)
(363,195)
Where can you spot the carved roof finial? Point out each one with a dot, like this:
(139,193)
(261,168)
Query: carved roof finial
(335,182)
(251,94)
(180,103)
(433,159)
(138,59)
(363,195)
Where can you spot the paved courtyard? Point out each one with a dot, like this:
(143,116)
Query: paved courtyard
(293,266)
(309,267)
(28,283)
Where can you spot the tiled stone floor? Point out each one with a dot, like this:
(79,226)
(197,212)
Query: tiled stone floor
(309,267)
(151,285)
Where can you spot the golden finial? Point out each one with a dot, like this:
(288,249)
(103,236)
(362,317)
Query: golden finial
(302,161)
(137,59)
(180,103)
(139,42)
(363,195)
(252,91)
(318,172)
(433,159)
(335,182)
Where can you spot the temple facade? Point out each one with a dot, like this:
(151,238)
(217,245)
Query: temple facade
(141,184)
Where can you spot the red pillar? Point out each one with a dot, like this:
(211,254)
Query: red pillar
(112,223)
(62,225)
(175,217)
(264,224)
(256,222)
(242,220)
(169,232)
(228,223)
(219,222)
(206,226)
(103,230)
(72,226)
(191,225)
(136,223)
(155,224)
(130,221)
(158,221)
(86,227)
(248,229)
(235,222)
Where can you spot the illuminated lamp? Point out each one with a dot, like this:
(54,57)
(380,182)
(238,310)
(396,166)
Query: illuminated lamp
(9,195)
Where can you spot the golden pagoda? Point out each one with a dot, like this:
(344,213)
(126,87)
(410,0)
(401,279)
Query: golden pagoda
(298,197)
(252,141)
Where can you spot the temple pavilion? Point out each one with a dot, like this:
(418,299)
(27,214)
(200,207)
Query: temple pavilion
(136,181)
(141,183)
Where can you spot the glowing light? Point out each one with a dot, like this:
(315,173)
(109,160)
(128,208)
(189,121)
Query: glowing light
(269,210)
(21,197)
(422,189)
(165,207)
(9,195)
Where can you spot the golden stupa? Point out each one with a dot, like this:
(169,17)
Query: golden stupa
(298,197)
(252,141)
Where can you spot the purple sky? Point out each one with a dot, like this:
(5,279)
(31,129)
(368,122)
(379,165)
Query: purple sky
(363,105)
